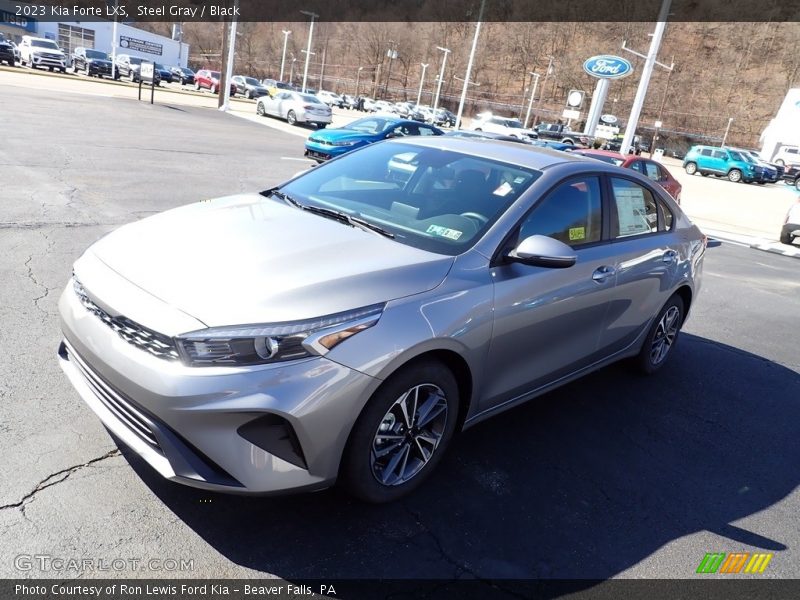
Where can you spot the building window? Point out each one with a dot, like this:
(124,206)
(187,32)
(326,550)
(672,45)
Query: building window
(71,37)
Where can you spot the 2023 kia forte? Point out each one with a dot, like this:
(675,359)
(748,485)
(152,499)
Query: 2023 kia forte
(350,321)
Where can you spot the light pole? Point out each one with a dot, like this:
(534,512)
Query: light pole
(358,79)
(441,77)
(308,48)
(392,54)
(727,129)
(469,67)
(421,80)
(283,58)
(225,94)
(530,102)
(291,73)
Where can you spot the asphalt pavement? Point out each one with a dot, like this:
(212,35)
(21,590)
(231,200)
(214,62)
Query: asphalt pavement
(615,475)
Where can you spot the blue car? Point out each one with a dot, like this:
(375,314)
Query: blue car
(325,144)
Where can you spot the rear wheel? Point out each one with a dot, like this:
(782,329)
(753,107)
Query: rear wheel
(786,238)
(291,118)
(402,433)
(662,336)
(260,110)
(735,175)
(691,168)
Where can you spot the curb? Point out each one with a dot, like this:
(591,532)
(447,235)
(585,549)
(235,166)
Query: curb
(755,243)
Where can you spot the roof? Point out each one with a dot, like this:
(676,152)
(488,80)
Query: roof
(510,152)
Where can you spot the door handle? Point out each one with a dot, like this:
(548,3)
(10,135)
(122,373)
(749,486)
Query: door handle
(669,256)
(602,273)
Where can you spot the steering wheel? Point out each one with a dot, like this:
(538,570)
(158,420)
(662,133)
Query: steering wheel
(477,216)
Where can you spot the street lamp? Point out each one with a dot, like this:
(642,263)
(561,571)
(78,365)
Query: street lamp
(392,54)
(283,58)
(308,49)
(421,80)
(469,66)
(291,73)
(727,129)
(358,79)
(441,76)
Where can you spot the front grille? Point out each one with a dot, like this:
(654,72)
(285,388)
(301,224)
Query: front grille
(114,401)
(50,56)
(145,339)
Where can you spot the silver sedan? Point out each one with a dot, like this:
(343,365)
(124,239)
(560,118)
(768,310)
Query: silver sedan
(295,108)
(351,321)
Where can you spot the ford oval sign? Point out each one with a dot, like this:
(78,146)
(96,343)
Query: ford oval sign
(607,67)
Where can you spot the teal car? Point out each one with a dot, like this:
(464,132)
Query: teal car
(330,143)
(723,162)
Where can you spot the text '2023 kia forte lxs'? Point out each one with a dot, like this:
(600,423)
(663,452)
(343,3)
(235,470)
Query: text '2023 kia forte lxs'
(349,322)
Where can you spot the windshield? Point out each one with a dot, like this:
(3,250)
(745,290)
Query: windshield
(310,98)
(428,198)
(370,125)
(44,44)
(513,124)
(186,71)
(215,74)
(96,54)
(160,67)
(740,156)
(251,81)
(135,60)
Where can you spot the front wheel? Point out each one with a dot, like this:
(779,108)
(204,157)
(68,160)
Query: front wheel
(735,175)
(402,433)
(260,110)
(291,118)
(662,336)
(786,238)
(691,168)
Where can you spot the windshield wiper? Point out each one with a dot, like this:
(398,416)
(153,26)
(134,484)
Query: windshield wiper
(342,217)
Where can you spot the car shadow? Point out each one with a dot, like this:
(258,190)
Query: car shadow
(583,483)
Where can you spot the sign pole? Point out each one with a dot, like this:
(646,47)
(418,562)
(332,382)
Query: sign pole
(153,84)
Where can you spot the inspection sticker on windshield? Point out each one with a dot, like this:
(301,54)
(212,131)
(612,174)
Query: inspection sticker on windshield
(503,190)
(450,234)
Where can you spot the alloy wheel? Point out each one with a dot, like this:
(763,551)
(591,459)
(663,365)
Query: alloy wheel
(665,334)
(409,434)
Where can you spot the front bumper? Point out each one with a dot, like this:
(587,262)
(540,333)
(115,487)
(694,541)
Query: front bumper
(263,429)
(39,60)
(95,69)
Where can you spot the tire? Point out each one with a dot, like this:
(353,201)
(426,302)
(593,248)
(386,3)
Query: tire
(780,162)
(214,89)
(291,118)
(260,110)
(321,125)
(131,77)
(734,175)
(657,347)
(703,174)
(86,70)
(797,184)
(761,182)
(691,168)
(416,455)
(249,95)
(786,238)
(197,86)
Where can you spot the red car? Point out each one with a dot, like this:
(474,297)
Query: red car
(210,81)
(649,168)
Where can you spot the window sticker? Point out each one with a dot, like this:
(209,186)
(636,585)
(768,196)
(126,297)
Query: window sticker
(631,210)
(577,234)
(445,232)
(503,189)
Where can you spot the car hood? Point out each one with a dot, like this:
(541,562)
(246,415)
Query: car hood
(250,259)
(99,61)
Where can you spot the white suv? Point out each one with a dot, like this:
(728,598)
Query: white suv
(40,52)
(787,154)
(503,125)
(330,98)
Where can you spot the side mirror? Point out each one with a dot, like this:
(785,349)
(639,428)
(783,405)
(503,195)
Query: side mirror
(543,251)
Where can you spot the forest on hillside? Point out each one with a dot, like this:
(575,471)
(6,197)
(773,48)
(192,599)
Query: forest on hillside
(721,70)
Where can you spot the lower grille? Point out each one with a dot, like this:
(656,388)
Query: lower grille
(150,341)
(114,401)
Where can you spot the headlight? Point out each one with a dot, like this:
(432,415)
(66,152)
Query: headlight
(261,344)
(345,143)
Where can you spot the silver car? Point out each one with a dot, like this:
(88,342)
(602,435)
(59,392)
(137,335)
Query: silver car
(295,108)
(348,323)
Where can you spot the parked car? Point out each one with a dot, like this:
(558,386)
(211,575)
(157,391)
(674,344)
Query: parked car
(209,80)
(649,168)
(421,113)
(368,104)
(349,101)
(296,108)
(324,145)
(7,53)
(39,52)
(129,67)
(403,108)
(722,162)
(182,75)
(561,146)
(772,172)
(273,86)
(385,107)
(330,98)
(504,125)
(249,87)
(164,73)
(91,62)
(16,52)
(444,117)
(791,174)
(791,227)
(787,154)
(345,328)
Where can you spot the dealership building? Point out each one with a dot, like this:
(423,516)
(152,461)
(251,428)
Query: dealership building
(94,34)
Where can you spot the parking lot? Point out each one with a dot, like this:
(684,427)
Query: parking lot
(614,475)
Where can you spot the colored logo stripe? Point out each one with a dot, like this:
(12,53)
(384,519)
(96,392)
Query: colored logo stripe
(710,562)
(734,563)
(758,563)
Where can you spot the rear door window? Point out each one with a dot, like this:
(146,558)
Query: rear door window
(635,208)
